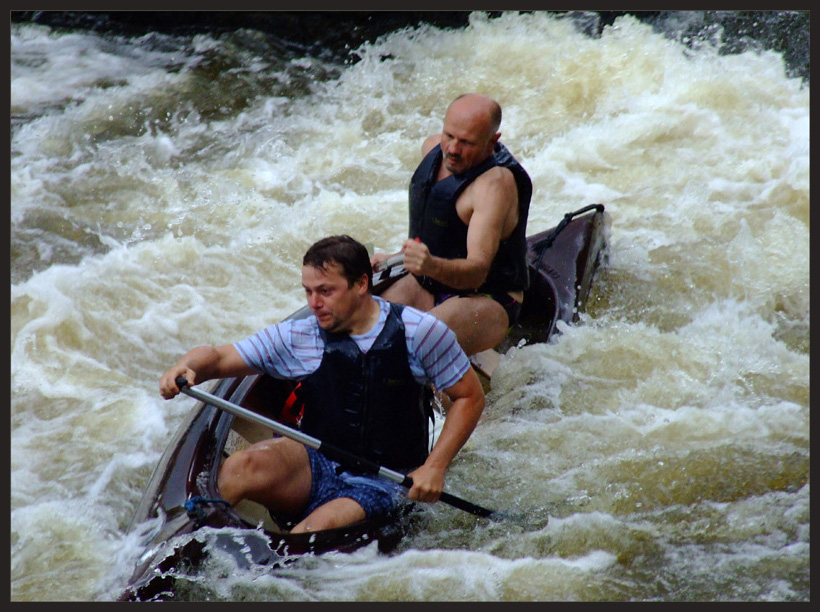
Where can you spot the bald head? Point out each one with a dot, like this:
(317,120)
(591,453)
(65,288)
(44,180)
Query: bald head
(470,131)
(481,106)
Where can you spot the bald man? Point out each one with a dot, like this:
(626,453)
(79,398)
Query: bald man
(466,250)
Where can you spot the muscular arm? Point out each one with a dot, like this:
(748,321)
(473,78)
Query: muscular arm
(488,206)
(203,363)
(462,417)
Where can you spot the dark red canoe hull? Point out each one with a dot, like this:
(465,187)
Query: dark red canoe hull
(181,500)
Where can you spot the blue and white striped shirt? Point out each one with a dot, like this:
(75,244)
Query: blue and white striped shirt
(293,348)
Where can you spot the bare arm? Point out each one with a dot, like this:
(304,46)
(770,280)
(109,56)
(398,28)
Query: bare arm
(429,143)
(462,418)
(490,205)
(204,363)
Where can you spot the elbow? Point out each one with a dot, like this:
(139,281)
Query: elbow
(478,403)
(478,275)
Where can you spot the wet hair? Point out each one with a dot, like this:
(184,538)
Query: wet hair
(348,253)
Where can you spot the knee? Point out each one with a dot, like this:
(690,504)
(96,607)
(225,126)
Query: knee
(276,467)
(229,479)
(237,474)
(407,291)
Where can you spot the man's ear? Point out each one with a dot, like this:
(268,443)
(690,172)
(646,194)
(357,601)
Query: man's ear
(491,143)
(363,284)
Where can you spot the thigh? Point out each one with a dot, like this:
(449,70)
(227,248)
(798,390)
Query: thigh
(275,473)
(341,499)
(335,513)
(407,290)
(479,322)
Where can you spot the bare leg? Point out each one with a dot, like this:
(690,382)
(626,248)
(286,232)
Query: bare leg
(407,290)
(335,513)
(274,473)
(479,323)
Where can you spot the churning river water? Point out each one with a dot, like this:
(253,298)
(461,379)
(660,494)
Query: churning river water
(163,191)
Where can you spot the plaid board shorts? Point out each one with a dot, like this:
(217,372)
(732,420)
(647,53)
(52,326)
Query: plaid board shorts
(375,494)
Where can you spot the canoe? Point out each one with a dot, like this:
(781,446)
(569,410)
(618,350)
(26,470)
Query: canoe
(181,519)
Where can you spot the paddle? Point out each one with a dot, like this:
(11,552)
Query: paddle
(388,271)
(390,262)
(351,461)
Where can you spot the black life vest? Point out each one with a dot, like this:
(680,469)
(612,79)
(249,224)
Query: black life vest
(369,404)
(434,220)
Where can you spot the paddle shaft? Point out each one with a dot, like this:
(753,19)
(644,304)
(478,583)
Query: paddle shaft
(342,456)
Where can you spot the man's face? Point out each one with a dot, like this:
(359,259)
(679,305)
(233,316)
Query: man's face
(330,298)
(466,140)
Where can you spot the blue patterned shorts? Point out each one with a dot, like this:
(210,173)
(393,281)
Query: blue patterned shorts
(375,494)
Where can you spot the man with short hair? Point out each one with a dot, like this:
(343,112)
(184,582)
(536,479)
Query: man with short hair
(467,247)
(363,364)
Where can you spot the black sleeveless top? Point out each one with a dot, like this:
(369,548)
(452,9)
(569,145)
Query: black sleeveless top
(369,404)
(434,220)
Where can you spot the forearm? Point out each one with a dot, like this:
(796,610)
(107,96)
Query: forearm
(201,364)
(203,360)
(428,479)
(457,273)
(465,273)
(467,396)
(462,418)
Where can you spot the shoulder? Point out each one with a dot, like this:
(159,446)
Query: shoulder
(296,325)
(430,143)
(415,317)
(427,332)
(291,332)
(500,176)
(496,185)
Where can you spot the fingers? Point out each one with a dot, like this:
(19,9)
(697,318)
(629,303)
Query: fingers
(416,256)
(168,387)
(380,261)
(427,485)
(422,494)
(376,260)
